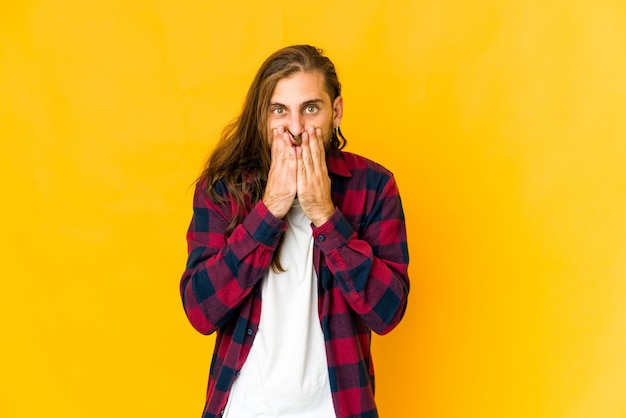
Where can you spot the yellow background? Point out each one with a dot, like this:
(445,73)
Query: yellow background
(504,122)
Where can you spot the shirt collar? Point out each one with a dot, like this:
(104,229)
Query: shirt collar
(337,163)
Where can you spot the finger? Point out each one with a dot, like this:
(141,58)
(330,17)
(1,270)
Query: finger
(301,167)
(307,156)
(277,146)
(288,154)
(275,134)
(287,139)
(318,139)
(280,152)
(278,134)
(315,145)
(320,150)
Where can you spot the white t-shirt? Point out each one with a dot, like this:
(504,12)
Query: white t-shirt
(286,372)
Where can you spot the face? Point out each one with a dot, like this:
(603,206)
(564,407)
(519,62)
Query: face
(302,100)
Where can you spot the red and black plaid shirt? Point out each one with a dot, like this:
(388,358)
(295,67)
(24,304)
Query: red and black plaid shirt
(360,256)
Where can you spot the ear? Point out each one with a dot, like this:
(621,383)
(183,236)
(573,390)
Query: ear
(337,111)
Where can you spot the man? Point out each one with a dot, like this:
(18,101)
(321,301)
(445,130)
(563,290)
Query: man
(297,251)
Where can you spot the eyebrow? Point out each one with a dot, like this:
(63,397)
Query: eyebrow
(303,104)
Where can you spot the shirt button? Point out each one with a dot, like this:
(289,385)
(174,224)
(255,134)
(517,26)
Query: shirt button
(250,331)
(321,237)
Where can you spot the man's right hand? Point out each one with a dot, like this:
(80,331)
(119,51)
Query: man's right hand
(281,187)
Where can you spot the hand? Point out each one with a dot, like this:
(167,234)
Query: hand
(281,187)
(313,184)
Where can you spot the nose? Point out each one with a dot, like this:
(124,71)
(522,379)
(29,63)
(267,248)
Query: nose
(295,125)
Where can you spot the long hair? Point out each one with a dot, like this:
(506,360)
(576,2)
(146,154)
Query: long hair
(241,159)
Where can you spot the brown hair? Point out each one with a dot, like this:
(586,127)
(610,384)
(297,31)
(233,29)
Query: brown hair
(241,159)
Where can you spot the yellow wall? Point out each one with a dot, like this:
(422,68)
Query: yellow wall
(504,122)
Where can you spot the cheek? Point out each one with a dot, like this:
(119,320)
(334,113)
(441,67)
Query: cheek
(268,132)
(272,123)
(268,139)
(328,133)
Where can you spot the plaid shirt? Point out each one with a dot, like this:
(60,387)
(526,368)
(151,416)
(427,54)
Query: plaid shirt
(360,257)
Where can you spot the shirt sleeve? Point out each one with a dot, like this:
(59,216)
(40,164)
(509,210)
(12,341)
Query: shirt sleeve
(221,271)
(370,267)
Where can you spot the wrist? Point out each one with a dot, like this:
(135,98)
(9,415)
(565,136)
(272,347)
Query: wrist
(322,218)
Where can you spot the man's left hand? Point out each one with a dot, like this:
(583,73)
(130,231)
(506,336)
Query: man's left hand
(313,182)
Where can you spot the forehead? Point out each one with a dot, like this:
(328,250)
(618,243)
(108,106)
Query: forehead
(300,87)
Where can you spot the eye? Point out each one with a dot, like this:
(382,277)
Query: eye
(310,109)
(278,111)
